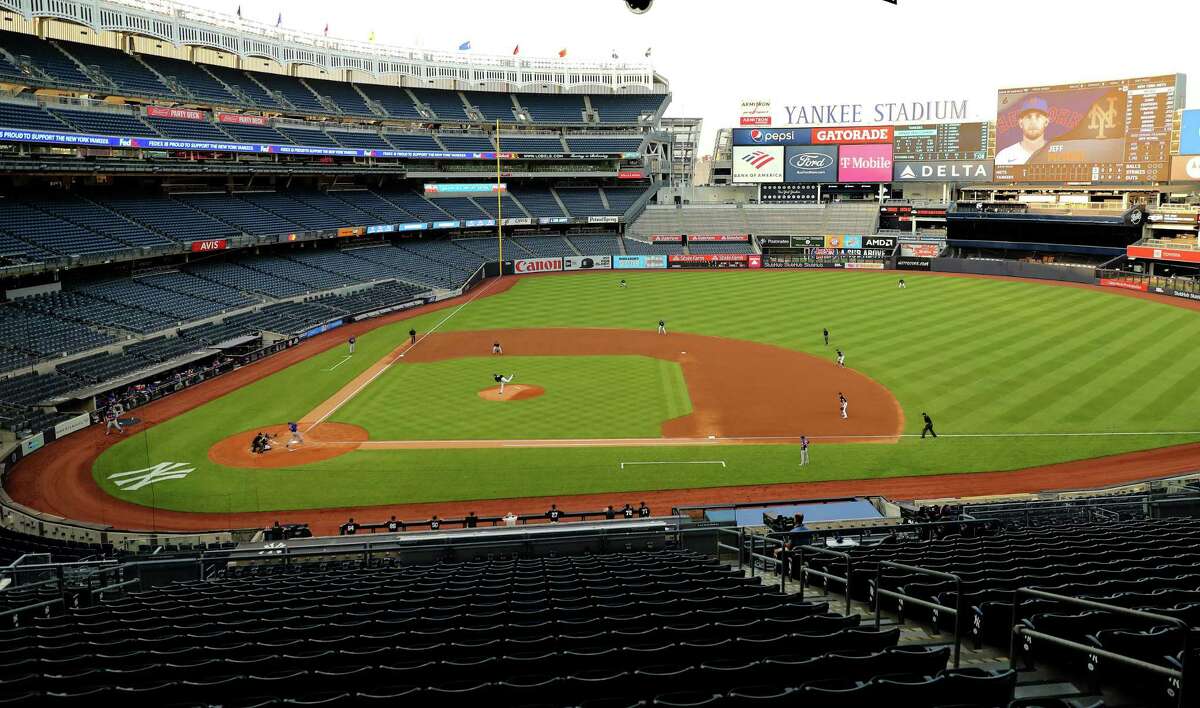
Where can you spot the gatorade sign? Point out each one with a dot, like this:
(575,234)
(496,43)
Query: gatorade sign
(847,136)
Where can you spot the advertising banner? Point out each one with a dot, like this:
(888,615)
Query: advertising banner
(773,261)
(812,163)
(666,238)
(864,265)
(519,221)
(754,261)
(755,112)
(587,262)
(753,165)
(943,171)
(631,174)
(637,262)
(796,193)
(912,264)
(554,220)
(1139,285)
(851,136)
(175,113)
(466,189)
(444,225)
(775,241)
(34,442)
(885,243)
(843,241)
(718,237)
(476,223)
(212,244)
(1163,254)
(772,136)
(1189,133)
(381,229)
(1185,294)
(865,163)
(242,120)
(920,250)
(708,260)
(412,227)
(808,242)
(603,219)
(72,425)
(1185,168)
(349,231)
(537,265)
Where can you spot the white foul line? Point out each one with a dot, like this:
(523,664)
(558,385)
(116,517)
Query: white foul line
(677,462)
(388,365)
(343,361)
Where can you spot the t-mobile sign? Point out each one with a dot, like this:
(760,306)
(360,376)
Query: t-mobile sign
(865,163)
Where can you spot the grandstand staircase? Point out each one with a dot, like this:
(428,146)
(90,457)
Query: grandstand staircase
(374,106)
(94,73)
(1040,683)
(236,91)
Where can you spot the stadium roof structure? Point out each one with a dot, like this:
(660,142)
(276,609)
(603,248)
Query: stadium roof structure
(185,25)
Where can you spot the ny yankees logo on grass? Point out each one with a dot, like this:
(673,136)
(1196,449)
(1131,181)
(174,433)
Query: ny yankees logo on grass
(136,479)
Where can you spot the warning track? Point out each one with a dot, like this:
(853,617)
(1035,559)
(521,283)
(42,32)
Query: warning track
(58,479)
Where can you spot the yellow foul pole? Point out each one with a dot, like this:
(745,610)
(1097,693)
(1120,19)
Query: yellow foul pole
(499,215)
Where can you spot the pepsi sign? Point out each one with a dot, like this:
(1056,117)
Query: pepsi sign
(772,136)
(810,163)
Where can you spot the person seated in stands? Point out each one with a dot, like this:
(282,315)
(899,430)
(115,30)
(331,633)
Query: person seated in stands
(510,519)
(800,535)
(644,511)
(349,528)
(627,511)
(610,513)
(393,525)
(470,521)
(435,523)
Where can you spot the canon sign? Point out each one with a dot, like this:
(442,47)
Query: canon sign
(537,265)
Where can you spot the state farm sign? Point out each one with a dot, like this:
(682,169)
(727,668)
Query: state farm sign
(537,265)
(212,244)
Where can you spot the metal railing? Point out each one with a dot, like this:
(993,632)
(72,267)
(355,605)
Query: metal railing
(769,561)
(956,611)
(1175,676)
(740,534)
(805,570)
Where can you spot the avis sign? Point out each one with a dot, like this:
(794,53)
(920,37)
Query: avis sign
(537,265)
(212,244)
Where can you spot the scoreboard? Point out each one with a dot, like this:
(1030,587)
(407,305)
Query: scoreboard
(1099,132)
(941,142)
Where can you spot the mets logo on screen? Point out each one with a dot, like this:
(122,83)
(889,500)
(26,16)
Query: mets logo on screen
(758,159)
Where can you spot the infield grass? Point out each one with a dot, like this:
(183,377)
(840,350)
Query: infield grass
(981,356)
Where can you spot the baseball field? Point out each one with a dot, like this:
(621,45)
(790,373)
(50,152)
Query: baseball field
(1014,374)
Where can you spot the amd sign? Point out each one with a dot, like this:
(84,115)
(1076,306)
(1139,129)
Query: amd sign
(942,171)
(886,243)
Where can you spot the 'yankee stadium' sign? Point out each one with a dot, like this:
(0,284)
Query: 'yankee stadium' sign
(883,112)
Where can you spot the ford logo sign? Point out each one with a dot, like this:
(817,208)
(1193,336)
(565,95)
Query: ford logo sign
(811,161)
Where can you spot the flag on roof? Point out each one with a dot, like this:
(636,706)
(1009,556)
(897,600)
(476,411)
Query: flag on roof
(279,20)
(648,52)
(516,50)
(562,53)
(464,46)
(326,29)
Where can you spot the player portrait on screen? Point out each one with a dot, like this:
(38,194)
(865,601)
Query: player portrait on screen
(1033,119)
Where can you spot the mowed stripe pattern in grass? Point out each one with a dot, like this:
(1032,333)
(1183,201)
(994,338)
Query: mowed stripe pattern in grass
(981,356)
(585,396)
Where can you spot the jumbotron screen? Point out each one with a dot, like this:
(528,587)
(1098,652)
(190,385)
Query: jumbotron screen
(940,141)
(1103,131)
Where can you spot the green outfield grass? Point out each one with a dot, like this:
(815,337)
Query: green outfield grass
(633,396)
(982,356)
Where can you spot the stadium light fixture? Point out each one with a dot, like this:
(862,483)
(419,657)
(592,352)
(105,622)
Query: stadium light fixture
(638,6)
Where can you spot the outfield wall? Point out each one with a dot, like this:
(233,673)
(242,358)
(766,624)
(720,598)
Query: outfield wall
(1014,269)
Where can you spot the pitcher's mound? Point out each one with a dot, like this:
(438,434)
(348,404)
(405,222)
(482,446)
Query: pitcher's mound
(512,392)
